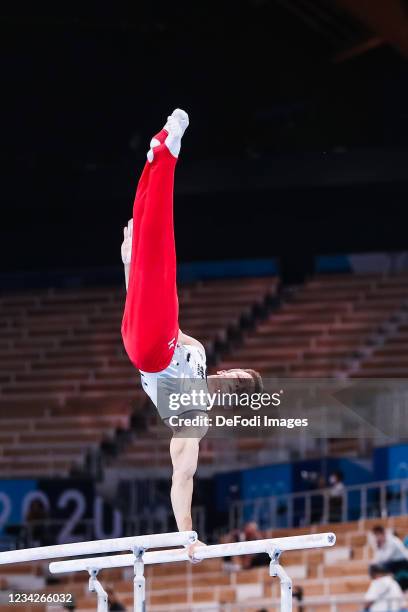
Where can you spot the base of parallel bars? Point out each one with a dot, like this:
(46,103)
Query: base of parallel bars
(139,582)
(96,587)
(277,571)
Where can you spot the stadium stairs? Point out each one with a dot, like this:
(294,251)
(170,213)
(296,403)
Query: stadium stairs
(329,327)
(68,394)
(71,403)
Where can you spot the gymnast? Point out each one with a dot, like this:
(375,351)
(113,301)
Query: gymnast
(150,330)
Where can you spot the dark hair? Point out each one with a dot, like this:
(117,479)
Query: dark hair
(298,593)
(378,529)
(377,569)
(257,378)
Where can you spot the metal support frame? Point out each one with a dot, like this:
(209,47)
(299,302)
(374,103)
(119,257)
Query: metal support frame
(313,540)
(277,571)
(96,587)
(139,558)
(139,582)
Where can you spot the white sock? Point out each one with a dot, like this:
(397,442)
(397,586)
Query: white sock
(176,125)
(173,140)
(181,117)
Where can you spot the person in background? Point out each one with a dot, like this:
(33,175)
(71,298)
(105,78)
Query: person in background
(336,493)
(35,521)
(390,553)
(317,510)
(114,605)
(384,593)
(228,563)
(252,532)
(297,595)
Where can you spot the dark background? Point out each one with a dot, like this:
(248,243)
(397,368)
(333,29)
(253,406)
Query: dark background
(298,134)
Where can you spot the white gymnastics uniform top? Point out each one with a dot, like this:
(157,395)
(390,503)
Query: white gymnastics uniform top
(188,365)
(386,594)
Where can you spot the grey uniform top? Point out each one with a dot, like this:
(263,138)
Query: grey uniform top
(185,373)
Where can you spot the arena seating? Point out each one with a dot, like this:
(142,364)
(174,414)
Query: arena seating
(388,358)
(209,310)
(66,384)
(328,326)
(61,355)
(338,572)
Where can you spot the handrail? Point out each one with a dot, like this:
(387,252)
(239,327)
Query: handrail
(269,505)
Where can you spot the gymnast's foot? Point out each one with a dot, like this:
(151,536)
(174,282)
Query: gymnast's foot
(171,134)
(182,118)
(175,134)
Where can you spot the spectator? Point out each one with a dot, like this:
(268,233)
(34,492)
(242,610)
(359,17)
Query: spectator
(35,520)
(114,605)
(228,563)
(297,594)
(384,593)
(390,552)
(317,501)
(252,532)
(336,493)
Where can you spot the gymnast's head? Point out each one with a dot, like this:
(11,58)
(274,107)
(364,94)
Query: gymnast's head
(238,380)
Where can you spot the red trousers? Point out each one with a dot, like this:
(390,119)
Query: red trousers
(150,321)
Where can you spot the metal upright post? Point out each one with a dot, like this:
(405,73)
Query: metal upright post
(96,587)
(139,587)
(276,570)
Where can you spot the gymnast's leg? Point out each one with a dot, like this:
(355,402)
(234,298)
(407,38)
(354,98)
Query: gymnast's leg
(150,321)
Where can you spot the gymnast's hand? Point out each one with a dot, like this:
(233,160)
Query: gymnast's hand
(126,249)
(191,550)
